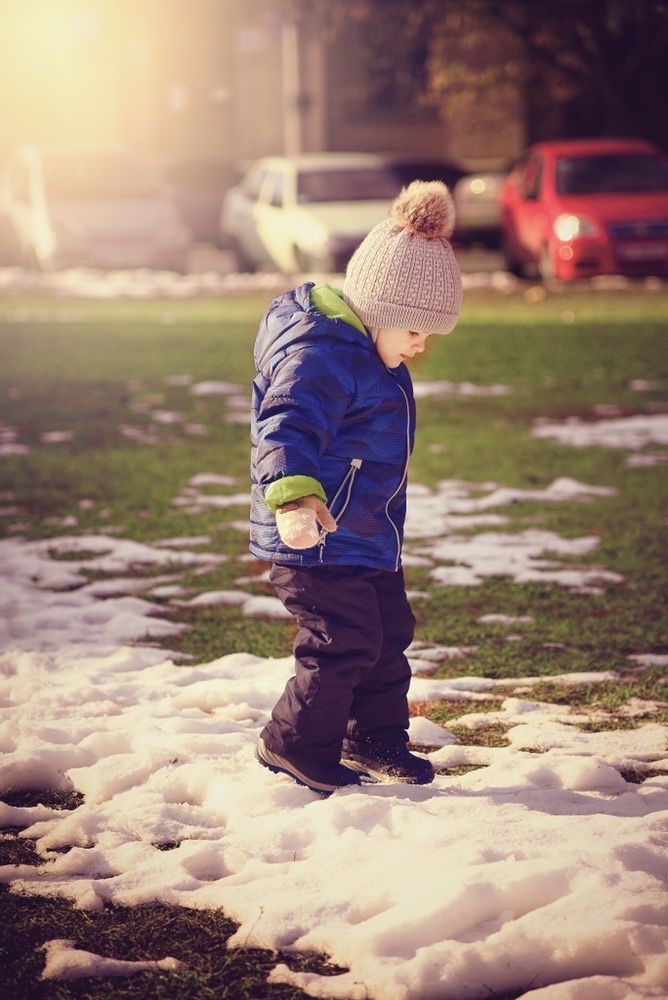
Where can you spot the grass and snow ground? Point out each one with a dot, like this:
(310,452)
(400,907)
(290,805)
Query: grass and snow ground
(533,866)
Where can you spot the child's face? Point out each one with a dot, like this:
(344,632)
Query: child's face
(395,346)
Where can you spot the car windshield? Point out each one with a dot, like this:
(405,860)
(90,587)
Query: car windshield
(345,185)
(611,172)
(98,177)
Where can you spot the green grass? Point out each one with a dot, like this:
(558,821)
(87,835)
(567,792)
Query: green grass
(92,367)
(197,938)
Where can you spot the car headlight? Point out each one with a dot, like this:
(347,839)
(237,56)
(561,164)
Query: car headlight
(568,227)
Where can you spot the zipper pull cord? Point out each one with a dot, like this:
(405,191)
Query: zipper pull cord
(348,479)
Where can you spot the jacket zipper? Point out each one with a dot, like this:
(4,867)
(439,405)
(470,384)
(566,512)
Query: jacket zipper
(403,478)
(348,480)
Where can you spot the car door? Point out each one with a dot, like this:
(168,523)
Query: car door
(273,220)
(19,204)
(241,216)
(531,213)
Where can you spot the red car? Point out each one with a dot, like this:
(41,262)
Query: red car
(597,206)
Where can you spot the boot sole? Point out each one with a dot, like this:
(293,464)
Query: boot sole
(355,765)
(279,765)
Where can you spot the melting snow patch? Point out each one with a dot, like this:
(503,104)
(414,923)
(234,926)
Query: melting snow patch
(650,659)
(47,603)
(461,389)
(498,619)
(425,658)
(646,459)
(8,441)
(517,556)
(645,385)
(213,388)
(211,479)
(424,733)
(625,432)
(166,417)
(500,877)
(456,504)
(195,503)
(65,961)
(56,437)
(183,542)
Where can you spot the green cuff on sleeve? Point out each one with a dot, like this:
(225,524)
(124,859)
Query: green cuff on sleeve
(292,488)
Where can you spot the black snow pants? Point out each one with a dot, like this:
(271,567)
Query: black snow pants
(351,675)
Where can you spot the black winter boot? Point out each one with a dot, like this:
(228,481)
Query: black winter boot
(322,778)
(393,763)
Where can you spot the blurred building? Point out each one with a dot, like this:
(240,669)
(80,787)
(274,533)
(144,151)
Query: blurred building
(221,79)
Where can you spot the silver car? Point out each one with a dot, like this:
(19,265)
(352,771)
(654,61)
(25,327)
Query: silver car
(89,208)
(306,212)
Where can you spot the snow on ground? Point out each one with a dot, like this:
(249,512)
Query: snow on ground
(457,505)
(144,283)
(534,869)
(65,961)
(626,432)
(47,603)
(462,389)
(538,871)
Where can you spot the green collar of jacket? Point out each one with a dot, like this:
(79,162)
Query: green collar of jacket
(328,300)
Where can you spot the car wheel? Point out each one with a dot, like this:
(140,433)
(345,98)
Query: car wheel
(11,254)
(242,261)
(31,262)
(305,263)
(513,264)
(546,266)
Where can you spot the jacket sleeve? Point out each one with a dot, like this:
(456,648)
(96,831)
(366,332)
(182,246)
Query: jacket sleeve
(299,417)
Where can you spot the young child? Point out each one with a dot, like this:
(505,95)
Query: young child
(332,431)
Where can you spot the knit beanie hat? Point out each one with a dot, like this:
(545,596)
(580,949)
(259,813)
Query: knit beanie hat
(404,274)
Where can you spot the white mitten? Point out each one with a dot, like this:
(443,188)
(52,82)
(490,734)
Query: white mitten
(298,522)
(298,528)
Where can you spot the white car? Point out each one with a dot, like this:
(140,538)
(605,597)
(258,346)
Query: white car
(307,212)
(70,207)
(477,206)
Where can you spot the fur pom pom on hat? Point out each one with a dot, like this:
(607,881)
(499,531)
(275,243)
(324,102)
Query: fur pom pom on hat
(404,274)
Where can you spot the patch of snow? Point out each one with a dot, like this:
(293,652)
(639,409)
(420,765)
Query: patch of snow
(645,385)
(13,449)
(213,598)
(214,388)
(455,504)
(56,437)
(424,733)
(499,619)
(498,877)
(626,432)
(212,479)
(646,459)
(48,603)
(460,389)
(425,658)
(183,541)
(650,659)
(264,607)
(517,555)
(168,591)
(65,961)
(166,416)
(202,501)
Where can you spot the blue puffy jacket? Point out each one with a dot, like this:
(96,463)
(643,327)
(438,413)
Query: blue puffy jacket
(326,407)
